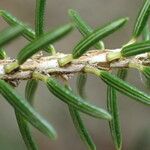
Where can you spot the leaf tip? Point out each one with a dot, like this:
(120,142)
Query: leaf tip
(72,12)
(1,12)
(125,19)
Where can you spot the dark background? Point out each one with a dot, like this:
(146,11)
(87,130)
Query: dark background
(135,118)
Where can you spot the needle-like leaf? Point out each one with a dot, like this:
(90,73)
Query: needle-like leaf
(146,71)
(12,20)
(39,19)
(97,35)
(112,105)
(22,106)
(141,19)
(25,131)
(81,81)
(2,54)
(30,90)
(83,27)
(124,87)
(28,33)
(135,49)
(71,99)
(80,127)
(9,34)
(146,33)
(114,124)
(122,73)
(42,41)
(120,85)
(22,122)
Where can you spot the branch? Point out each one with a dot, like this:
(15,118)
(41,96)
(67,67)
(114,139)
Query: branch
(49,64)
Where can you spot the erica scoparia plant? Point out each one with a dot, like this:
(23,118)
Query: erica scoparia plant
(31,65)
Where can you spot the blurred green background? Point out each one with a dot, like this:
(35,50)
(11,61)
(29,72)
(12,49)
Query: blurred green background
(135,118)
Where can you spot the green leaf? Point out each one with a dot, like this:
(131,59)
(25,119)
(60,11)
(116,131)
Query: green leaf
(119,85)
(122,73)
(42,41)
(124,87)
(112,105)
(25,109)
(146,33)
(71,99)
(146,71)
(25,131)
(12,20)
(141,19)
(83,27)
(28,33)
(135,49)
(114,124)
(2,54)
(81,81)
(97,35)
(39,23)
(79,125)
(39,17)
(22,123)
(30,90)
(9,34)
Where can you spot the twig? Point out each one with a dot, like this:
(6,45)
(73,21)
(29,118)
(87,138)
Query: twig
(49,64)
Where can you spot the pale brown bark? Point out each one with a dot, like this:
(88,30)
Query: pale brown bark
(49,64)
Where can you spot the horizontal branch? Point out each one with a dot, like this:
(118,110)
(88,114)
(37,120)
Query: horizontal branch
(49,64)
